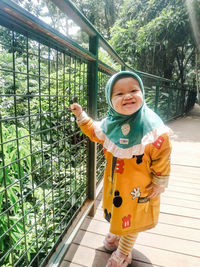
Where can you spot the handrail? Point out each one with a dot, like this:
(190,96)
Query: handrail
(26,22)
(69,8)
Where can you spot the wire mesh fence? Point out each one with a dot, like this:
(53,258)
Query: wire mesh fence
(101,111)
(43,182)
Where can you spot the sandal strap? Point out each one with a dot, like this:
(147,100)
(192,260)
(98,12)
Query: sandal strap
(120,260)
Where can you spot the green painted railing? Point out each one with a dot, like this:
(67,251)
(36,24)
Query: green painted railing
(48,169)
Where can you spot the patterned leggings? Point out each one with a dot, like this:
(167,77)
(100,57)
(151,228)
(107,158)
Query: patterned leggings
(126,243)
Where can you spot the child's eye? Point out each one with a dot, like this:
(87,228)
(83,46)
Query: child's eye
(120,94)
(133,91)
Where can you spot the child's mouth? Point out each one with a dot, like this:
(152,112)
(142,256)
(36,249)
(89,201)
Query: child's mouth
(129,104)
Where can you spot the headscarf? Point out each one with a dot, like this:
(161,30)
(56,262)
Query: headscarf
(126,135)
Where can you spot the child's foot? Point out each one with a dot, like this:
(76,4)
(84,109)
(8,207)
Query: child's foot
(111,242)
(118,259)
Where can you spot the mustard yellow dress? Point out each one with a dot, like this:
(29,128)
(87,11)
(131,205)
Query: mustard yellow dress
(125,203)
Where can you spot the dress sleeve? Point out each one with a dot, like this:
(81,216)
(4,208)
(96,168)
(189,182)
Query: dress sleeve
(88,126)
(160,152)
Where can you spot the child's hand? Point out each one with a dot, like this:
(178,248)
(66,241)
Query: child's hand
(76,109)
(154,190)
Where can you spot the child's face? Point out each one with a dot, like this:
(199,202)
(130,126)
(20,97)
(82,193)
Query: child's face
(127,96)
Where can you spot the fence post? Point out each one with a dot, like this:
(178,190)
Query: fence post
(92,110)
(170,95)
(157,96)
(182,101)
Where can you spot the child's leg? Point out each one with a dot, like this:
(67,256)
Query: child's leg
(126,243)
(122,256)
(111,242)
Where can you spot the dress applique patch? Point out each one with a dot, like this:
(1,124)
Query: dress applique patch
(117,200)
(138,158)
(126,221)
(125,129)
(120,166)
(158,143)
(124,141)
(107,215)
(135,193)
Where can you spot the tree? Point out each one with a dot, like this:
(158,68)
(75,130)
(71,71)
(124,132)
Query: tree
(102,13)
(155,36)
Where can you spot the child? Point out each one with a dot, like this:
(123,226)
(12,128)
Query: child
(137,150)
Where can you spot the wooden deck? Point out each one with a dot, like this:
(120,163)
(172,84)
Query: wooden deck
(175,241)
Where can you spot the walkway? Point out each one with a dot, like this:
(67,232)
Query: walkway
(175,242)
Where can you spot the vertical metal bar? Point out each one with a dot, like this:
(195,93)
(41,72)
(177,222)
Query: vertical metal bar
(157,95)
(75,97)
(70,145)
(169,105)
(92,109)
(5,189)
(58,138)
(18,150)
(182,100)
(51,157)
(177,101)
(41,140)
(31,149)
(64,122)
(79,97)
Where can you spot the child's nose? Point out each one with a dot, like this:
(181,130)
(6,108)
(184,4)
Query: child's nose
(128,95)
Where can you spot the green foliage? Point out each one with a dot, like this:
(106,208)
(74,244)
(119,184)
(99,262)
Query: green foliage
(102,13)
(155,35)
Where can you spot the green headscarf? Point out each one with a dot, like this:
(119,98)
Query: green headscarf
(127,134)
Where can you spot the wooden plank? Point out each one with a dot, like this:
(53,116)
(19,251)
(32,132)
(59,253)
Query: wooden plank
(177,220)
(193,180)
(180,202)
(181,183)
(69,264)
(95,226)
(172,244)
(95,258)
(187,212)
(160,257)
(185,171)
(99,227)
(144,251)
(176,232)
(184,190)
(86,256)
(173,194)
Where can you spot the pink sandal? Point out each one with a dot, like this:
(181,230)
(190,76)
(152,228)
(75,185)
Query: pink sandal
(119,261)
(111,242)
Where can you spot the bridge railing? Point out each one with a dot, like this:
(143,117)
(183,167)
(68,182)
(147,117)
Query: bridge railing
(48,169)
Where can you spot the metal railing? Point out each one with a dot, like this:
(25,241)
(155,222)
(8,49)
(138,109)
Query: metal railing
(48,168)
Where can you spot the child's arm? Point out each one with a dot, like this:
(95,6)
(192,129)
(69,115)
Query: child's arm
(86,124)
(76,109)
(155,190)
(160,165)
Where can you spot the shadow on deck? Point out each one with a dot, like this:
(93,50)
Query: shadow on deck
(175,241)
